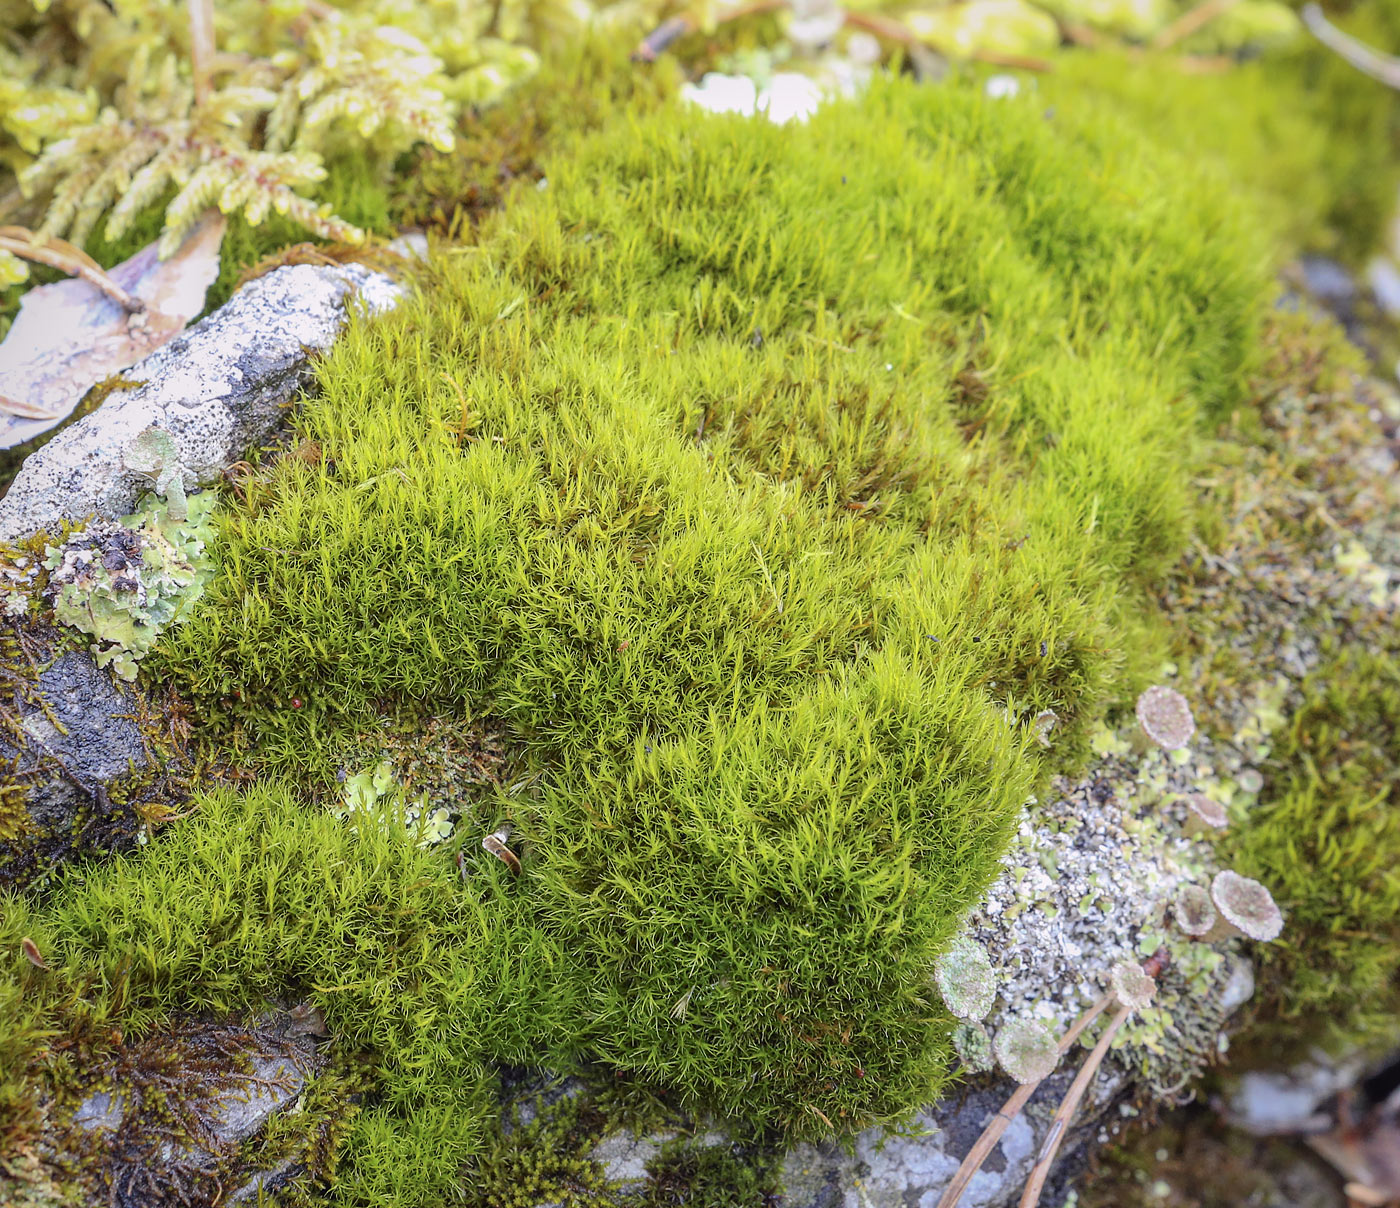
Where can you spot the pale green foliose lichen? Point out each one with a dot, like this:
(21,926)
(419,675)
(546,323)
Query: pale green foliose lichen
(973,1046)
(125,582)
(966,980)
(375,792)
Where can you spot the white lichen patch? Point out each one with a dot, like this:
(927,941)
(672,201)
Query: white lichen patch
(1103,869)
(1090,882)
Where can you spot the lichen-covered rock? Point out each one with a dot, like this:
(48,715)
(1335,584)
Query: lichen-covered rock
(611,1159)
(125,582)
(215,391)
(913,1166)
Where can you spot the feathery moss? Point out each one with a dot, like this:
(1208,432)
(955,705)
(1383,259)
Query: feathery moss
(1313,142)
(762,484)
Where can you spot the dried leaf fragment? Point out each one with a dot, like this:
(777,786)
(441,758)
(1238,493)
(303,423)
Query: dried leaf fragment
(32,953)
(72,334)
(495,843)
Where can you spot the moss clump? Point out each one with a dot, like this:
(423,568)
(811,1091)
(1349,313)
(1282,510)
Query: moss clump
(712,1177)
(1326,841)
(542,1161)
(255,896)
(1311,140)
(749,476)
(503,147)
(762,485)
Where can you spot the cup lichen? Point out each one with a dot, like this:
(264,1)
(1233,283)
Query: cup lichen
(966,980)
(1026,1049)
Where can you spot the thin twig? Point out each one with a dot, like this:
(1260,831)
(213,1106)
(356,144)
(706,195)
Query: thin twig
(1204,64)
(673,28)
(1079,35)
(1009,1111)
(59,254)
(891,30)
(1382,67)
(1016,62)
(882,27)
(201,47)
(14,406)
(1190,21)
(1059,1125)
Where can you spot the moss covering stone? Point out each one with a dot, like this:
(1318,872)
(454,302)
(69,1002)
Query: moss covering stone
(1327,840)
(759,487)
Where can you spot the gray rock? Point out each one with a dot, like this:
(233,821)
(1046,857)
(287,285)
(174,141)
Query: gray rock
(1384,278)
(624,1157)
(168,1115)
(1327,280)
(880,1168)
(215,390)
(1270,1103)
(910,1169)
(77,737)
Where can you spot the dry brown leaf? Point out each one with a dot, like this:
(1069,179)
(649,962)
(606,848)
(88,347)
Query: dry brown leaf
(69,336)
(1368,1156)
(496,845)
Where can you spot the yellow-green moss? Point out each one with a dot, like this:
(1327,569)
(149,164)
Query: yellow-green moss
(761,485)
(1326,839)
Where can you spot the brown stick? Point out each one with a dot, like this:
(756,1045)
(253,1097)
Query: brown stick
(57,253)
(1065,1112)
(1080,35)
(1190,21)
(1019,62)
(674,28)
(882,27)
(1205,64)
(895,31)
(1382,67)
(1009,1111)
(201,46)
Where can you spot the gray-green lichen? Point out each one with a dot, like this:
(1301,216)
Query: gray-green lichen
(966,980)
(973,1045)
(124,582)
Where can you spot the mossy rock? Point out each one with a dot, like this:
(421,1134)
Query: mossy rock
(760,487)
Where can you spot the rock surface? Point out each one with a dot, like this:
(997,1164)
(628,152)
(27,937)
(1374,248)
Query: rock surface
(215,390)
(882,1169)
(77,737)
(165,1118)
